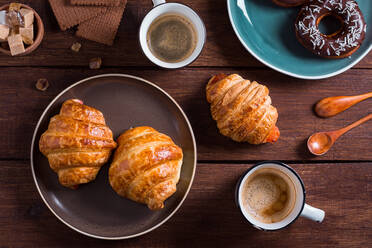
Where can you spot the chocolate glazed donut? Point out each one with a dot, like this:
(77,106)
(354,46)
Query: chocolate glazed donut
(340,44)
(290,3)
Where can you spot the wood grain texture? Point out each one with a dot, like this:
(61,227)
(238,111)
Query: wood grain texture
(21,106)
(222,48)
(208,217)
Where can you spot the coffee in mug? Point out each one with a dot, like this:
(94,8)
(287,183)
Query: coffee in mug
(271,196)
(268,195)
(172,37)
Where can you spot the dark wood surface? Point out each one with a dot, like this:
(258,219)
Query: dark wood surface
(209,217)
(296,118)
(339,182)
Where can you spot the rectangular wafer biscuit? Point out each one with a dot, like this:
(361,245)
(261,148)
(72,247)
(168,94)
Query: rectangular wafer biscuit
(110,3)
(68,15)
(103,28)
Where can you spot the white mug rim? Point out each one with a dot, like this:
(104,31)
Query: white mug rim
(245,176)
(167,65)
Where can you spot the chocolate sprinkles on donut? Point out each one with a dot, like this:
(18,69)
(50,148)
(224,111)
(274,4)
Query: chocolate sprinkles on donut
(340,44)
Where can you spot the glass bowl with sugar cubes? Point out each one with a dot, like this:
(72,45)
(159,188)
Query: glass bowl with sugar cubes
(21,29)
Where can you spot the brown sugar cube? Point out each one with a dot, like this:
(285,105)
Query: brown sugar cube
(27,34)
(76,47)
(14,19)
(42,84)
(4,32)
(95,63)
(14,6)
(16,44)
(28,16)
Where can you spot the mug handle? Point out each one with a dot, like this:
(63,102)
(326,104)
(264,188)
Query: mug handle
(314,214)
(157,2)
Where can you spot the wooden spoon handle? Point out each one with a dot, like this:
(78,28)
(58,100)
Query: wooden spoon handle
(341,131)
(331,106)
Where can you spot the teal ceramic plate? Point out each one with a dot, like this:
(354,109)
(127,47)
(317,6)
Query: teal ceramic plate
(267,32)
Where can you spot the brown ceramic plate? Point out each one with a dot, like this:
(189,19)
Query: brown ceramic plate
(95,209)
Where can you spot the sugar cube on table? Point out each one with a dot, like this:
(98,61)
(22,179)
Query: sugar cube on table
(4,32)
(28,16)
(27,34)
(16,44)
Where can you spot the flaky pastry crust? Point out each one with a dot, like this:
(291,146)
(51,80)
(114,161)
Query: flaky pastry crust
(146,166)
(242,109)
(77,143)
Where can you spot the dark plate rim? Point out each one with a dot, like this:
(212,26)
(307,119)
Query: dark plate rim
(87,80)
(286,72)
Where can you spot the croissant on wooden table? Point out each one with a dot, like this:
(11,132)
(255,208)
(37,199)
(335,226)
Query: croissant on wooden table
(242,109)
(146,166)
(77,143)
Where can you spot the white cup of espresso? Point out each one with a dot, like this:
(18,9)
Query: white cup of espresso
(254,187)
(160,9)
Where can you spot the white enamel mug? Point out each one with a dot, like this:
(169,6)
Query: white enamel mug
(161,8)
(300,208)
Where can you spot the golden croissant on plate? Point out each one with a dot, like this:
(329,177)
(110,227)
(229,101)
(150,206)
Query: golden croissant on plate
(146,166)
(77,143)
(242,109)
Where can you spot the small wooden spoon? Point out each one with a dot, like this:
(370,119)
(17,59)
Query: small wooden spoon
(331,106)
(320,143)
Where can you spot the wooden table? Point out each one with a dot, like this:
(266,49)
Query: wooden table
(339,182)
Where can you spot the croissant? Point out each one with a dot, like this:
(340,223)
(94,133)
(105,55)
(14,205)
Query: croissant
(146,166)
(77,143)
(242,109)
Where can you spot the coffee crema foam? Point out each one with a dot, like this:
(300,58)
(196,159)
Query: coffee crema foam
(172,38)
(268,195)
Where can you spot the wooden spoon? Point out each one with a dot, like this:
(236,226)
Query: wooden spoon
(331,106)
(320,143)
